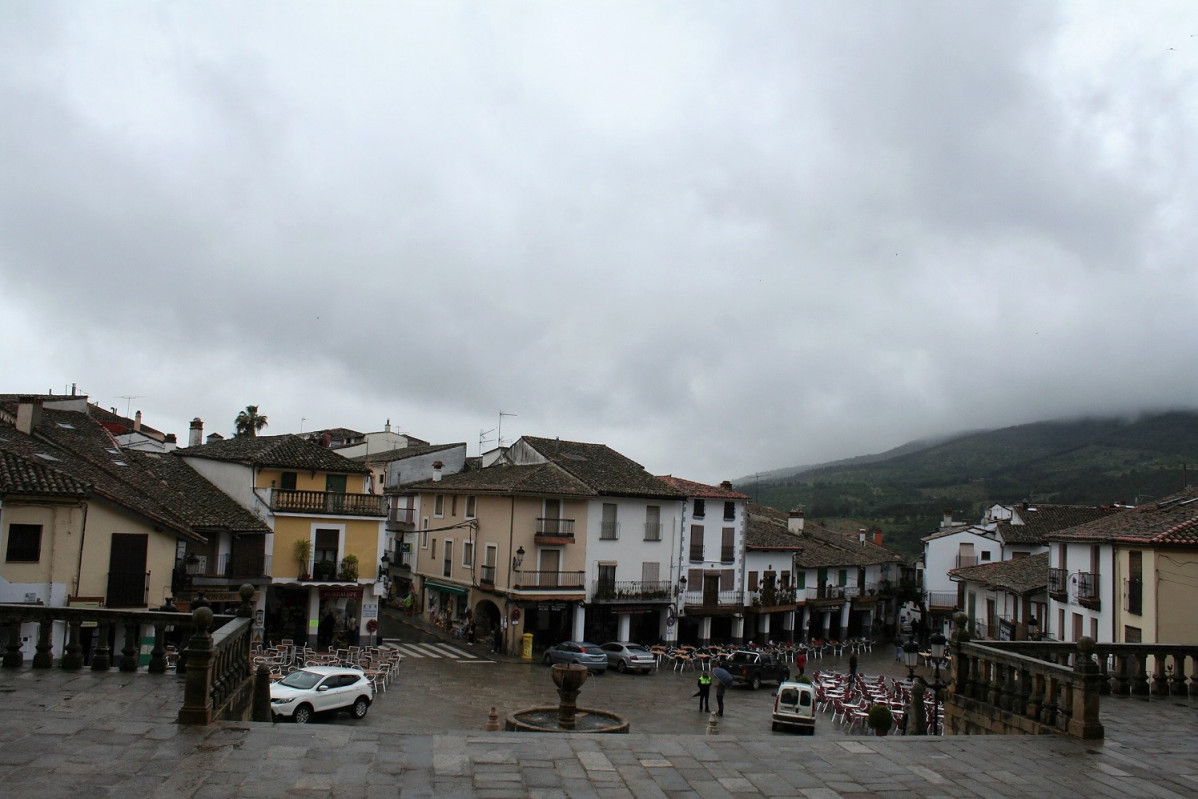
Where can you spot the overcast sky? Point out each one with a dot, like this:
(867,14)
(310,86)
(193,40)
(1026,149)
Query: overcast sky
(719,237)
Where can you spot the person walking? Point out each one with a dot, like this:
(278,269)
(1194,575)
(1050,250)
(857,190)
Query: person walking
(801,661)
(723,679)
(853,669)
(704,692)
(496,638)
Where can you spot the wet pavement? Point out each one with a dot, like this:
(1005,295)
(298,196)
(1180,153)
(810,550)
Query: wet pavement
(96,735)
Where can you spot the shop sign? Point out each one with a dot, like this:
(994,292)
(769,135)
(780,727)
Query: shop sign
(551,606)
(370,611)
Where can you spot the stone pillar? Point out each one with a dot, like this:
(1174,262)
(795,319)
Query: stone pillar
(623,626)
(261,707)
(666,631)
(131,648)
(826,623)
(72,658)
(843,630)
(101,651)
(44,648)
(705,631)
(313,622)
(917,714)
(806,624)
(12,650)
(198,686)
(1084,721)
(788,626)
(763,627)
(738,630)
(580,621)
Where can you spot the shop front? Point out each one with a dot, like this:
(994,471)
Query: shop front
(445,604)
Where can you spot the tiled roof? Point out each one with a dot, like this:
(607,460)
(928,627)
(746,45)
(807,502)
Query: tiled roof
(119,424)
(1039,520)
(81,448)
(602,468)
(693,489)
(818,546)
(766,528)
(204,506)
(1018,575)
(1170,522)
(22,475)
(964,528)
(403,453)
(538,479)
(281,452)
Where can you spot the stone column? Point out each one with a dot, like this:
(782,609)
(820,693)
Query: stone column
(623,626)
(705,631)
(198,686)
(1084,721)
(580,622)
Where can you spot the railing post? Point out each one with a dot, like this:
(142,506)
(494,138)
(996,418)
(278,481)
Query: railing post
(72,658)
(158,653)
(12,650)
(261,709)
(1178,678)
(1139,679)
(102,654)
(44,656)
(197,688)
(918,712)
(1083,720)
(1122,685)
(132,647)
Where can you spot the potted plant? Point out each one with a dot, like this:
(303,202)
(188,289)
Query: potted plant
(302,549)
(349,568)
(324,570)
(880,719)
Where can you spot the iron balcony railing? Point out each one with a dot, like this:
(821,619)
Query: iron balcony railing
(696,552)
(609,531)
(542,580)
(1058,581)
(555,528)
(486,575)
(327,502)
(652,531)
(941,599)
(227,566)
(773,597)
(709,599)
(402,516)
(629,590)
(1087,589)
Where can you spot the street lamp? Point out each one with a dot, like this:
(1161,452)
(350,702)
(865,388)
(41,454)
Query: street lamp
(911,657)
(518,559)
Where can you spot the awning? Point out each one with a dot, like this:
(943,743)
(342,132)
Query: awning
(447,588)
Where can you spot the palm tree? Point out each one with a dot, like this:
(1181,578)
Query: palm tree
(249,422)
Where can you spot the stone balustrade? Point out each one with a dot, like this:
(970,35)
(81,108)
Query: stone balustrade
(1036,687)
(214,654)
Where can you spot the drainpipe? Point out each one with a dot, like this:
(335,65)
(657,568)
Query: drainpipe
(82,540)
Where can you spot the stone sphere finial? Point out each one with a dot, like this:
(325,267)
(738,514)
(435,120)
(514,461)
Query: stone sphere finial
(960,620)
(246,591)
(201,619)
(1085,645)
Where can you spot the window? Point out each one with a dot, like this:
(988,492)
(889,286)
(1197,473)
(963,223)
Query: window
(844,578)
(609,529)
(728,545)
(471,509)
(607,580)
(439,505)
(467,554)
(700,508)
(24,543)
(288,481)
(432,552)
(335,483)
(752,581)
(447,565)
(1135,582)
(453,505)
(696,542)
(326,547)
(729,511)
(986,555)
(801,581)
(653,523)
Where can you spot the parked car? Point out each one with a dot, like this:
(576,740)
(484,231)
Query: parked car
(754,668)
(320,689)
(583,653)
(626,656)
(794,707)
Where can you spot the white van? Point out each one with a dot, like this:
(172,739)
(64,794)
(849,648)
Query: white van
(794,707)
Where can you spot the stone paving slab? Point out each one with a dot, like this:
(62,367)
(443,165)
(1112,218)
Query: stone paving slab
(87,735)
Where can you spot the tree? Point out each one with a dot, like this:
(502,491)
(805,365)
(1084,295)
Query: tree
(249,422)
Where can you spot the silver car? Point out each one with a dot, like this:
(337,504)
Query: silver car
(626,656)
(583,653)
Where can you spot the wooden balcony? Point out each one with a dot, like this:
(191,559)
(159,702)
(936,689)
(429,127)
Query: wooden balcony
(329,503)
(770,599)
(713,603)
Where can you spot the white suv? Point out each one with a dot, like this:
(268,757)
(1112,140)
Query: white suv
(319,689)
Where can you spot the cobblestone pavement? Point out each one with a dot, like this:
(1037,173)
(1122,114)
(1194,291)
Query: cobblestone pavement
(89,735)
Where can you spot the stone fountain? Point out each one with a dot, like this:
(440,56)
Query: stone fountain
(567,716)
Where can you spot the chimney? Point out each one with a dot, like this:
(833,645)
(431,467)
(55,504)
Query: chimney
(437,467)
(29,414)
(948,518)
(212,437)
(726,485)
(861,536)
(171,442)
(387,427)
(137,422)
(878,537)
(795,523)
(196,436)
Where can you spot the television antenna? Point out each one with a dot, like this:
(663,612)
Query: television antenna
(499,429)
(129,401)
(482,439)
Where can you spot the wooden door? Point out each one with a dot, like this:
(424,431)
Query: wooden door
(127,576)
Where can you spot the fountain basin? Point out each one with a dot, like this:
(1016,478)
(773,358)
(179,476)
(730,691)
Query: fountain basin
(545,719)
